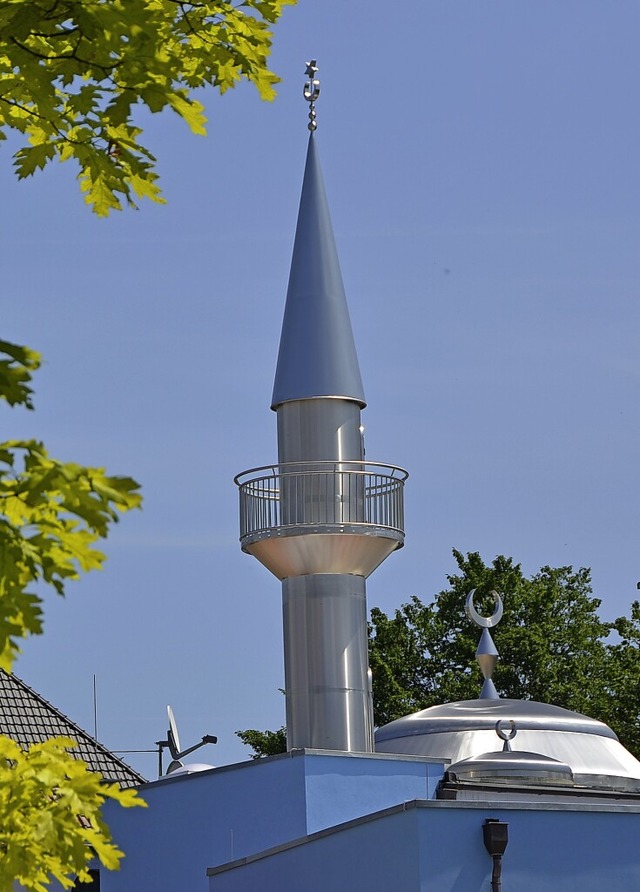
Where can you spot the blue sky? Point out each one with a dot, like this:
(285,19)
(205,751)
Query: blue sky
(481,164)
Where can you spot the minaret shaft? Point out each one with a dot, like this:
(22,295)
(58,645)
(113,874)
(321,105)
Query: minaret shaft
(326,663)
(325,614)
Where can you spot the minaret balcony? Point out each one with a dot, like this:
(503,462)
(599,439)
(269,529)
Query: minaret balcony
(322,517)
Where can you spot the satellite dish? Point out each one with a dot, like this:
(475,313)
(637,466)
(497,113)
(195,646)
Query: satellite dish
(172,735)
(175,748)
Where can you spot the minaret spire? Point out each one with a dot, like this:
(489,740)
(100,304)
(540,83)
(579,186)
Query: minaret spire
(322,519)
(317,355)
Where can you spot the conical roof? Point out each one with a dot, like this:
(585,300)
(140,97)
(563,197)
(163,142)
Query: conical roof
(317,355)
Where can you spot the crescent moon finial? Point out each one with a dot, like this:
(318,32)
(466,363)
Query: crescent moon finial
(485,622)
(486,654)
(506,736)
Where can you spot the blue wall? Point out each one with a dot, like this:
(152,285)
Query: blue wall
(340,789)
(213,817)
(348,822)
(438,847)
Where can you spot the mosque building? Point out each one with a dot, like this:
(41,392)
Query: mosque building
(483,794)
(486,794)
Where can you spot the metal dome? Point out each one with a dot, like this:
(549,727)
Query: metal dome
(466,729)
(511,767)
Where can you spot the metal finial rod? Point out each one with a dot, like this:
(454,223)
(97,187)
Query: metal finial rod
(311,91)
(486,654)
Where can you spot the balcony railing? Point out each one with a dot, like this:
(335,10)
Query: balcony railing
(321,494)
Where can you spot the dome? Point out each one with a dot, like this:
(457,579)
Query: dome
(467,730)
(509,767)
(183,770)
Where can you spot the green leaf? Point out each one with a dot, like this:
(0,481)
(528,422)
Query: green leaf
(99,193)
(15,373)
(191,111)
(28,160)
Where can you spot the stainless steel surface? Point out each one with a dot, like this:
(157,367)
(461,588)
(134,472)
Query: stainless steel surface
(304,496)
(317,352)
(311,91)
(312,431)
(507,767)
(487,659)
(486,653)
(323,518)
(504,735)
(485,622)
(319,429)
(461,730)
(326,663)
(483,715)
(319,517)
(341,550)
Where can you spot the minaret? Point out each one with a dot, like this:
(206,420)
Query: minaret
(323,518)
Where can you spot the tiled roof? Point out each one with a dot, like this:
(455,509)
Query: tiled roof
(28,718)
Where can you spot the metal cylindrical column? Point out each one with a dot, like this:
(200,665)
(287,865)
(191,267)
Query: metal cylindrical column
(319,430)
(326,663)
(325,615)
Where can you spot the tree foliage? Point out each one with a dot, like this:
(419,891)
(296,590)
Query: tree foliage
(51,515)
(552,643)
(50,821)
(264,743)
(72,73)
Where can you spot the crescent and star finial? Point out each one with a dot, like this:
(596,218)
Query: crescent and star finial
(311,91)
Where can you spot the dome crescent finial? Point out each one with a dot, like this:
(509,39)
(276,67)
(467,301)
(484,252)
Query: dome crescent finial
(486,654)
(485,622)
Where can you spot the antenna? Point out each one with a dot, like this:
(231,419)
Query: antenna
(95,708)
(172,743)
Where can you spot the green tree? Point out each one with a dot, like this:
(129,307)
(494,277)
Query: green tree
(264,743)
(50,822)
(51,515)
(73,71)
(623,704)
